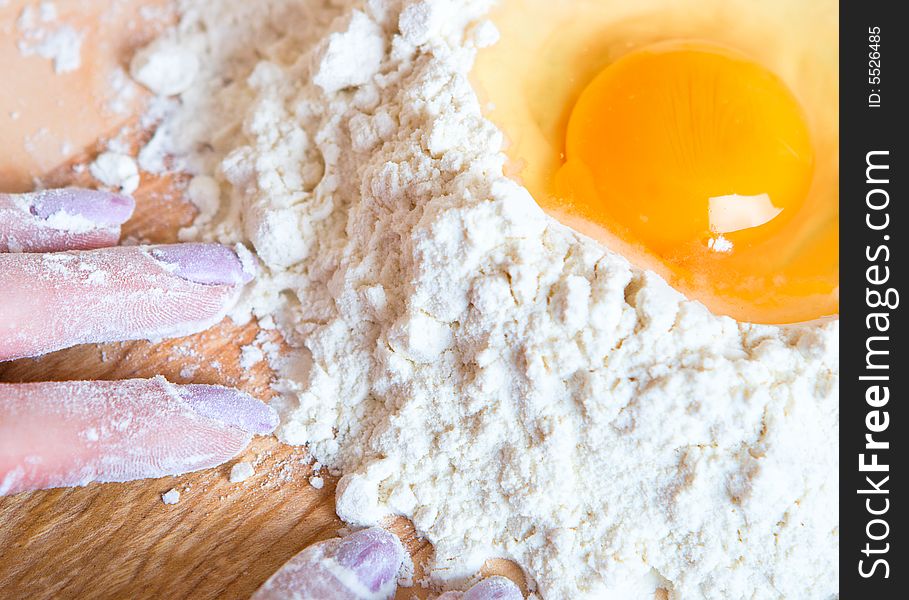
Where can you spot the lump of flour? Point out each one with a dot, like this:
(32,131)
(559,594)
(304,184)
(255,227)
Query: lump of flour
(241,471)
(513,388)
(171,496)
(41,34)
(164,68)
(117,171)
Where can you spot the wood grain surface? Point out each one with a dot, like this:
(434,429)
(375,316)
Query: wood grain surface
(221,540)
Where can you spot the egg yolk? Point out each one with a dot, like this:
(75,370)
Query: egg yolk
(663,130)
(700,156)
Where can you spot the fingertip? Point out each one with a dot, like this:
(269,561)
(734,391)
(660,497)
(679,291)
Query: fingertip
(208,264)
(374,556)
(62,219)
(229,406)
(95,208)
(494,588)
(364,564)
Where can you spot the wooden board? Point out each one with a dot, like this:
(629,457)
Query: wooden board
(221,540)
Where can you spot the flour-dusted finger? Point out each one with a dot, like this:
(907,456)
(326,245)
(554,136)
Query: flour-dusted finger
(494,588)
(60,434)
(491,588)
(62,219)
(364,565)
(55,300)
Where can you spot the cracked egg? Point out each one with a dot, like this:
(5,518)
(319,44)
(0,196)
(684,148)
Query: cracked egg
(697,139)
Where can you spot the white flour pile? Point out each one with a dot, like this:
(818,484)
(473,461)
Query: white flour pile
(514,389)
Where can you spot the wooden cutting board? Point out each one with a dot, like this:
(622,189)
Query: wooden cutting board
(221,540)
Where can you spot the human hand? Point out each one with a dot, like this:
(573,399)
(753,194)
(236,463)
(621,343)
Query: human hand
(361,566)
(61,286)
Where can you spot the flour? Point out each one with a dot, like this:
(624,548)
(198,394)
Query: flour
(720,243)
(513,388)
(171,496)
(241,471)
(121,92)
(250,356)
(41,35)
(115,170)
(164,68)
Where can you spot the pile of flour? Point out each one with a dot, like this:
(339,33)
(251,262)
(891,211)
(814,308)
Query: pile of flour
(513,388)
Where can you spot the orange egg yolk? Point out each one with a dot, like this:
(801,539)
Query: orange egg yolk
(692,152)
(661,131)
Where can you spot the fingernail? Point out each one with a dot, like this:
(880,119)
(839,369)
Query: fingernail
(211,264)
(374,556)
(229,406)
(103,209)
(494,588)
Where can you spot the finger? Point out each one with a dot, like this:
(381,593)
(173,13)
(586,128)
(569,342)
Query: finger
(62,219)
(69,433)
(362,565)
(55,300)
(491,588)
(494,588)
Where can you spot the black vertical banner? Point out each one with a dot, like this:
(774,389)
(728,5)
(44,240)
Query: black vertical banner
(874,60)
